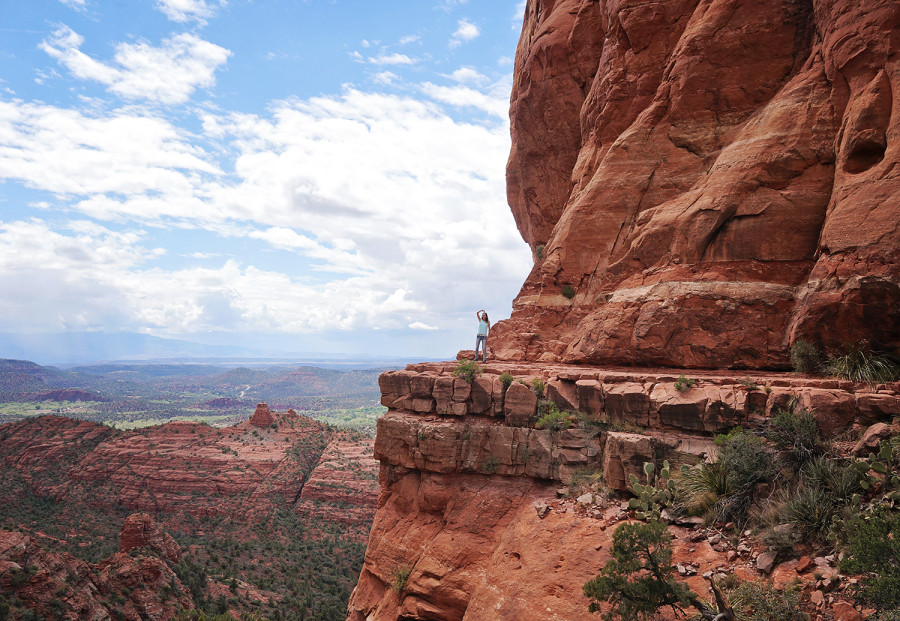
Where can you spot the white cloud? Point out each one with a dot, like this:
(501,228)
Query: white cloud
(385,59)
(78,5)
(385,77)
(66,152)
(465,31)
(418,325)
(168,74)
(391,214)
(185,10)
(468,75)
(463,96)
(409,39)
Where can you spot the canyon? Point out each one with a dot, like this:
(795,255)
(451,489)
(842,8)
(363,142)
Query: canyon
(267,516)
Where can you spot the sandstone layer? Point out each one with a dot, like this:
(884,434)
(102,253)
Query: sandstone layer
(705,182)
(468,511)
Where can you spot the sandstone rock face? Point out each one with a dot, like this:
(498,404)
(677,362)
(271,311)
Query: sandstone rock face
(704,182)
(141,531)
(262,417)
(468,501)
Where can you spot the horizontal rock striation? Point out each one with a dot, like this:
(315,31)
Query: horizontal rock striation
(704,182)
(463,470)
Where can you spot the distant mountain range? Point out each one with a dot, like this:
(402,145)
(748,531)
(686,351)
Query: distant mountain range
(83,347)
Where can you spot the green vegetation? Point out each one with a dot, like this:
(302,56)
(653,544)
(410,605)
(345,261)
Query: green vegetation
(806,357)
(874,550)
(683,384)
(538,386)
(506,379)
(861,363)
(568,291)
(639,579)
(651,498)
(758,601)
(797,434)
(467,370)
(399,577)
(539,251)
(555,419)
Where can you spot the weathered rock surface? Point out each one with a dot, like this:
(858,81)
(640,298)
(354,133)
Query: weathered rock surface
(58,585)
(469,502)
(141,531)
(704,182)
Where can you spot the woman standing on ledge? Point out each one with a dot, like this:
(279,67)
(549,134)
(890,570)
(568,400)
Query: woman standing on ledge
(484,326)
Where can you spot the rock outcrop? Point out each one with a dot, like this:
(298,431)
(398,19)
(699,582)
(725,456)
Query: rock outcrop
(704,182)
(468,511)
(141,531)
(56,585)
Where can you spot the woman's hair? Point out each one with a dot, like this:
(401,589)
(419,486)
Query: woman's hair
(485,317)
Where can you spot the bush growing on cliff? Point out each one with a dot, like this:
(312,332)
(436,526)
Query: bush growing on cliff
(506,379)
(399,578)
(863,364)
(568,291)
(555,419)
(640,579)
(467,370)
(538,386)
(796,433)
(683,384)
(806,357)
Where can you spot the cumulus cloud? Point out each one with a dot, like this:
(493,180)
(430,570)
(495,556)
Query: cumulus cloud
(465,31)
(185,10)
(395,210)
(168,74)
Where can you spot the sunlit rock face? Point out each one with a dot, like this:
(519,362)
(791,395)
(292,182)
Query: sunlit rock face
(704,182)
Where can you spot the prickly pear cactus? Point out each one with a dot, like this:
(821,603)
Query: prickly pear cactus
(653,496)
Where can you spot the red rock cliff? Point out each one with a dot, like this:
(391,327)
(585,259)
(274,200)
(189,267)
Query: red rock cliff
(703,182)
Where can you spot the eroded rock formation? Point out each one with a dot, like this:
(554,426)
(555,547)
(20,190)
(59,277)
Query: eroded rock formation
(704,182)
(468,508)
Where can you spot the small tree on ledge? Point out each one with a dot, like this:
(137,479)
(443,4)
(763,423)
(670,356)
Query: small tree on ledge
(639,579)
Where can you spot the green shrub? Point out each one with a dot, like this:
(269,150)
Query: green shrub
(490,466)
(861,364)
(467,370)
(399,578)
(757,601)
(702,488)
(538,386)
(568,291)
(797,434)
(539,251)
(840,481)
(748,383)
(874,550)
(747,458)
(683,384)
(806,357)
(506,379)
(639,579)
(555,419)
(810,510)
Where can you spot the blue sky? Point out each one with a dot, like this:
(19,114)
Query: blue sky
(325,175)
